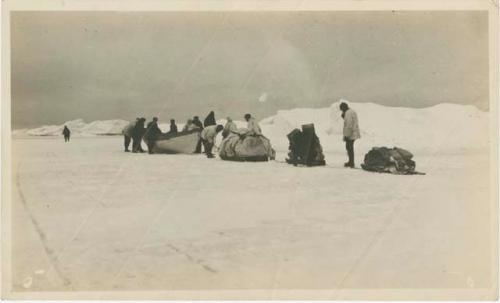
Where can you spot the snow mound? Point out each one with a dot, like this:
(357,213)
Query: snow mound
(107,127)
(444,127)
(441,128)
(79,128)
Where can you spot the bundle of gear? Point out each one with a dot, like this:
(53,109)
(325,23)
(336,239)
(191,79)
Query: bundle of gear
(304,147)
(390,160)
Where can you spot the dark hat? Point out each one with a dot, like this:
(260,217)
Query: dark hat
(248,116)
(219,128)
(343,106)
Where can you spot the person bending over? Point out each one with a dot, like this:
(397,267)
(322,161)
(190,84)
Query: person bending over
(207,136)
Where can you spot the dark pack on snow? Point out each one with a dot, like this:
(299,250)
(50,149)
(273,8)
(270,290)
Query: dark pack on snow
(304,147)
(390,160)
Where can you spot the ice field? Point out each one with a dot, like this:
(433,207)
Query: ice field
(87,216)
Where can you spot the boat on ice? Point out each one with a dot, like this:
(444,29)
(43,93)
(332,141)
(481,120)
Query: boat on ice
(178,143)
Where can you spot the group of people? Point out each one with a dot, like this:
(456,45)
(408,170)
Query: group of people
(136,131)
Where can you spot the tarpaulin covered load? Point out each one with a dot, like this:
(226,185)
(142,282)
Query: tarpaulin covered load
(178,143)
(390,160)
(305,147)
(243,147)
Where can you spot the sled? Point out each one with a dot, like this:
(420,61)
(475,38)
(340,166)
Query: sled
(239,147)
(395,160)
(179,143)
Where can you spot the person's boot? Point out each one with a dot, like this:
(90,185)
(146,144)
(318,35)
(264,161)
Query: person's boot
(127,150)
(349,164)
(210,156)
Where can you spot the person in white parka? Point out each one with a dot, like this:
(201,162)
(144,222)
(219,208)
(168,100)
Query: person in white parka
(350,131)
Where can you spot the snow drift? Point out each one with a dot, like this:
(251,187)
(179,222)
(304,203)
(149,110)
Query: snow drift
(444,127)
(79,128)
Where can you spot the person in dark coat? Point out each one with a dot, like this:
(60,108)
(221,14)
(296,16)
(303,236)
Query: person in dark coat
(209,120)
(197,122)
(67,133)
(137,133)
(173,127)
(152,133)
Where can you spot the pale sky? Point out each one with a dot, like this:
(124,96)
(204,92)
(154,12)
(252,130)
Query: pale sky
(121,65)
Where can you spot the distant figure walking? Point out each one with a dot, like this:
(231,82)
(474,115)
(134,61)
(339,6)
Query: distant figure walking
(350,131)
(127,134)
(197,123)
(209,120)
(207,136)
(229,128)
(152,133)
(173,127)
(137,133)
(67,133)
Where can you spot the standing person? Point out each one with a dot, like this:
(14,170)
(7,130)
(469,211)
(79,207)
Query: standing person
(207,136)
(229,128)
(209,120)
(67,133)
(137,133)
(350,131)
(127,134)
(152,133)
(252,126)
(173,127)
(197,122)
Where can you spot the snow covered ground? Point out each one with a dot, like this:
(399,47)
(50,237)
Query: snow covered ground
(87,216)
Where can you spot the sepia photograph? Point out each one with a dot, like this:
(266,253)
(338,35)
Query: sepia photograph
(250,150)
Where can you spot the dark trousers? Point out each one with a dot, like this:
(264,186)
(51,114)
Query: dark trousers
(126,142)
(136,144)
(151,145)
(66,138)
(208,148)
(349,146)
(198,147)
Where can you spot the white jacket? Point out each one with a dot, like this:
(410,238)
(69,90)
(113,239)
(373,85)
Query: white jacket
(253,127)
(209,133)
(351,126)
(230,127)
